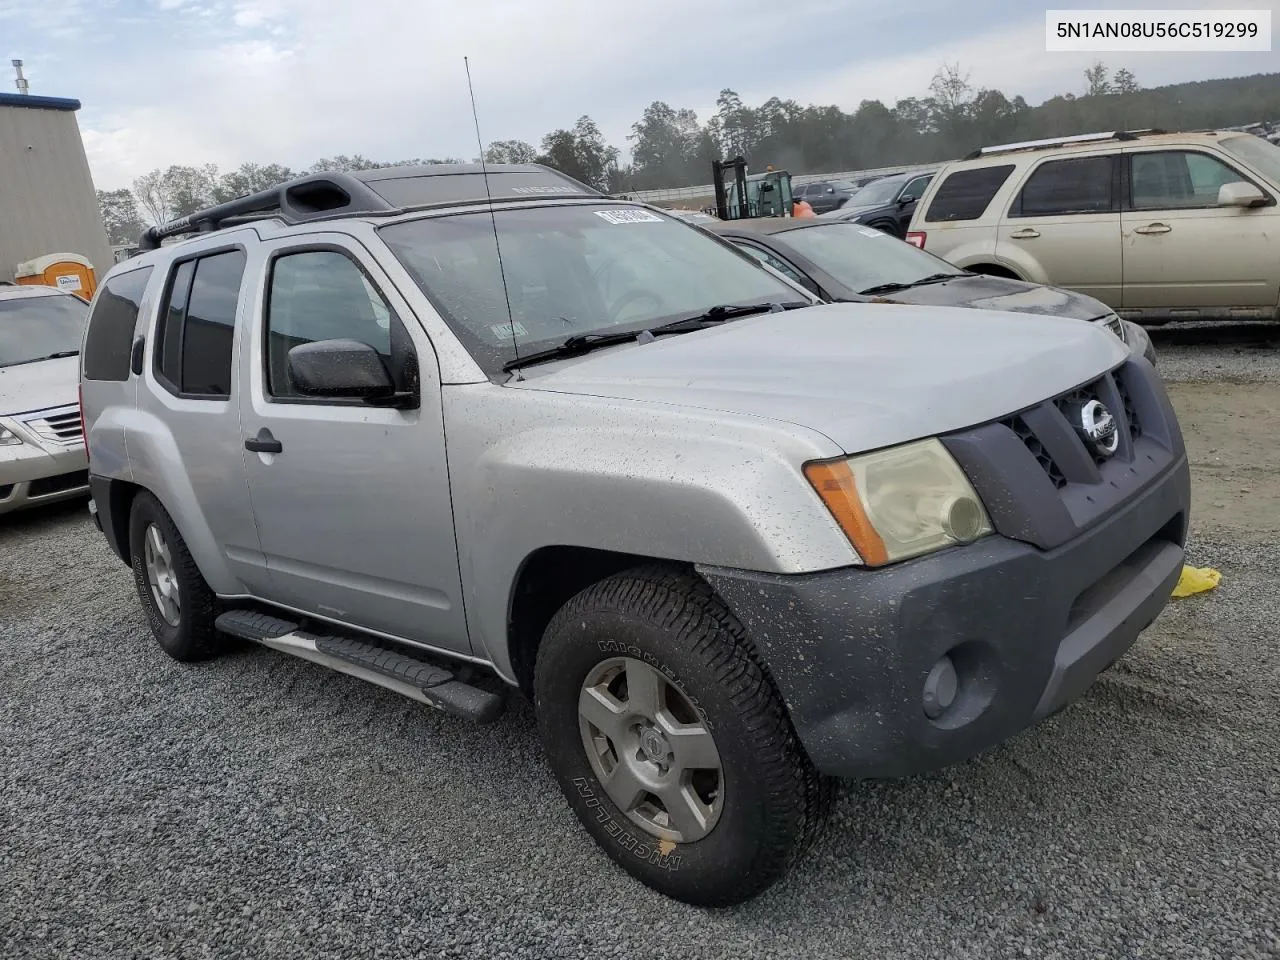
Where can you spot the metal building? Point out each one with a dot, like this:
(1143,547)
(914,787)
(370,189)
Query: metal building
(47,200)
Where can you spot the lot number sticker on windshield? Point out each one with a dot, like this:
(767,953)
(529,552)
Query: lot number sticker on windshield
(628,216)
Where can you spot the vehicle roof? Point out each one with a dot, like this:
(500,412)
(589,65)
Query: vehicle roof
(24,291)
(1009,153)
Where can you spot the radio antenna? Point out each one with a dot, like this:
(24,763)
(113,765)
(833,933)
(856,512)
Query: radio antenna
(493,218)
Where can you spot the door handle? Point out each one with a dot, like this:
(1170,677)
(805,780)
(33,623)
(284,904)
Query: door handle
(264,442)
(1153,228)
(1026,233)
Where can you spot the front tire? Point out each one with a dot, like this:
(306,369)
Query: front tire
(670,742)
(179,606)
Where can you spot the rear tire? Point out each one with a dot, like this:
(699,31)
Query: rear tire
(704,834)
(179,606)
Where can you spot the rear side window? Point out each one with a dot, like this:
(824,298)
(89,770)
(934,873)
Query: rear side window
(198,326)
(1061,187)
(109,341)
(966,194)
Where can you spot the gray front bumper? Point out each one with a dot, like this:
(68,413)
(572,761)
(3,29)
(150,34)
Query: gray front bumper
(1027,628)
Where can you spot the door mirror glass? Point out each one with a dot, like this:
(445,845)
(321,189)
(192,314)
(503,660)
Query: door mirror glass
(1240,194)
(339,368)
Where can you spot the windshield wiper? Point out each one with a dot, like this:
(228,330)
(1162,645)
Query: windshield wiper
(723,312)
(573,347)
(892,287)
(60,355)
(586,342)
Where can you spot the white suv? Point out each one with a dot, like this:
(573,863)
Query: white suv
(1159,226)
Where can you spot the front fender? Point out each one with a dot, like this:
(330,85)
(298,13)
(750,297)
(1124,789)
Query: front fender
(532,469)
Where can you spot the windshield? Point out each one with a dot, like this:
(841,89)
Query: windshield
(879,191)
(570,270)
(1260,154)
(33,328)
(860,257)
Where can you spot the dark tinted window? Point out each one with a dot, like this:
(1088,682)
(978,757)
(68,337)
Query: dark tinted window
(1078,185)
(199,325)
(169,336)
(965,194)
(321,295)
(109,341)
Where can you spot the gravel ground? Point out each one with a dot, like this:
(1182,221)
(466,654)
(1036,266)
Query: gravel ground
(262,806)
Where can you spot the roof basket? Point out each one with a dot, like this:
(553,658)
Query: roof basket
(385,190)
(303,199)
(1062,142)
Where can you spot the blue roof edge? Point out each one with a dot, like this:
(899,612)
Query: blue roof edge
(38,103)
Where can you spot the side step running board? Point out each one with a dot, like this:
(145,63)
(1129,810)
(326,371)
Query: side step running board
(393,669)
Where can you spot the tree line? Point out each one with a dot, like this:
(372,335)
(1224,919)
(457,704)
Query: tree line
(672,147)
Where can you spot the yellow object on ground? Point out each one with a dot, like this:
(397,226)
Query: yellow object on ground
(1196,580)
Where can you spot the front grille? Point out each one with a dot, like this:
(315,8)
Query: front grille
(59,426)
(1130,411)
(1028,437)
(62,482)
(1049,430)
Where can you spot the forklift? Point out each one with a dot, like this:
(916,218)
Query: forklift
(741,197)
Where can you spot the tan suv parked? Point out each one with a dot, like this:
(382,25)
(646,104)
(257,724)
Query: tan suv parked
(1159,226)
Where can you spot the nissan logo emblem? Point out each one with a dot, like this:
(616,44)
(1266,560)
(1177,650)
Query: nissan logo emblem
(1098,428)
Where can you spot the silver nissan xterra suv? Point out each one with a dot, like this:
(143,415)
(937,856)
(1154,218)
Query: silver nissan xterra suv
(457,432)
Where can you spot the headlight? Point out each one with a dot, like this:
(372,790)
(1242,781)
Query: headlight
(901,502)
(1116,326)
(8,438)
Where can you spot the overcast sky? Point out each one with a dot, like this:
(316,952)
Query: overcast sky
(290,81)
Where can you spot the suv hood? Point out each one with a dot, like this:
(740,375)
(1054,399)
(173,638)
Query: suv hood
(864,375)
(39,385)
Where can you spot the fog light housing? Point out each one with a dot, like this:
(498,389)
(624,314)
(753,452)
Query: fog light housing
(940,688)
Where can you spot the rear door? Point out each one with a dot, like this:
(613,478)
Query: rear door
(353,510)
(1184,253)
(1063,226)
(185,444)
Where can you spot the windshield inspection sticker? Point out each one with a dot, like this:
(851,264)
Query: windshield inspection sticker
(508,329)
(628,216)
(869,232)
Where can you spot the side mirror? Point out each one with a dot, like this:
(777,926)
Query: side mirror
(905,199)
(1240,194)
(340,368)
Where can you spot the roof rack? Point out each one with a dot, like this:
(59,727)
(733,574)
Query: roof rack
(1063,141)
(385,191)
